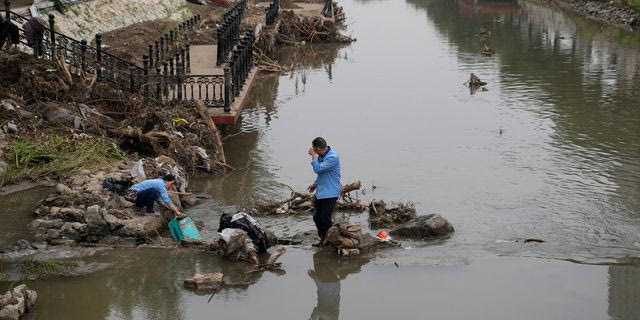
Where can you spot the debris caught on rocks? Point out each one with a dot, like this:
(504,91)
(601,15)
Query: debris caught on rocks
(300,202)
(16,302)
(488,52)
(382,216)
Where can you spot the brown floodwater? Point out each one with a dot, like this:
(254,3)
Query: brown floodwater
(550,150)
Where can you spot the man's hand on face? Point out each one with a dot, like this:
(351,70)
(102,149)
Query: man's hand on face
(311,152)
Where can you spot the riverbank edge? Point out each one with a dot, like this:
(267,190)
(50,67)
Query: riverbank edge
(616,15)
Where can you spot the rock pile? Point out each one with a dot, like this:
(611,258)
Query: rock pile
(83,210)
(15,303)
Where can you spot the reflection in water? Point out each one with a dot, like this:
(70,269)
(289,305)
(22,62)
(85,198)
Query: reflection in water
(327,273)
(624,292)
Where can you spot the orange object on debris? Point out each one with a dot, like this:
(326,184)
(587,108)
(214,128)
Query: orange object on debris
(383,234)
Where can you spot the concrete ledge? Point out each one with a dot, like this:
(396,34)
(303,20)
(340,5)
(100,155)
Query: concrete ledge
(220,117)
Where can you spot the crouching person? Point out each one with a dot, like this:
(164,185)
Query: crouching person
(242,238)
(146,193)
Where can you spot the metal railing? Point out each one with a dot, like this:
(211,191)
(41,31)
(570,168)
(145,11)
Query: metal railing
(241,63)
(229,30)
(272,13)
(166,81)
(172,42)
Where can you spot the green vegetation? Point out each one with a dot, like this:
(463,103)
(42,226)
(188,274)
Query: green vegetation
(57,156)
(59,6)
(32,269)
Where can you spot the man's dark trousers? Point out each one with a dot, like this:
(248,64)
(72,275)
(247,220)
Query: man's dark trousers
(147,198)
(322,215)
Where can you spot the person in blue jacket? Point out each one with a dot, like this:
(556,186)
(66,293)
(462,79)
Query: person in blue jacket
(146,193)
(326,164)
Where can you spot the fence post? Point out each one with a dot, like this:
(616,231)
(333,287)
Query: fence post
(98,57)
(157,61)
(171,66)
(171,38)
(236,72)
(179,78)
(177,60)
(52,35)
(145,64)
(188,57)
(165,91)
(220,44)
(7,10)
(83,51)
(227,90)
(132,82)
(151,59)
(162,47)
(158,82)
(183,53)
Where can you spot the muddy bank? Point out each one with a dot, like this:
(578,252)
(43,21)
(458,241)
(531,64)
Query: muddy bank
(619,15)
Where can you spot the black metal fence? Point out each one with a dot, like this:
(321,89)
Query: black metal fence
(272,12)
(172,42)
(229,30)
(241,63)
(163,75)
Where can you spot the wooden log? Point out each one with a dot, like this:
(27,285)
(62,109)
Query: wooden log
(218,153)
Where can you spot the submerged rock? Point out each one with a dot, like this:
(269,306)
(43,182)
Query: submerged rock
(427,227)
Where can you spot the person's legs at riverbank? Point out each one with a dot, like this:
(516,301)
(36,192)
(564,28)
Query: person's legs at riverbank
(322,216)
(147,198)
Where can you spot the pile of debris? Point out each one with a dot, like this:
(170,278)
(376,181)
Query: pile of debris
(42,97)
(296,29)
(381,216)
(301,202)
(89,207)
(15,303)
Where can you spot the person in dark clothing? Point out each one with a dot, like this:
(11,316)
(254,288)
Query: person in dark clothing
(9,33)
(326,164)
(34,33)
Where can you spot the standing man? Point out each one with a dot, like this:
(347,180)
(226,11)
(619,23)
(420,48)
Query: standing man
(326,164)
(146,193)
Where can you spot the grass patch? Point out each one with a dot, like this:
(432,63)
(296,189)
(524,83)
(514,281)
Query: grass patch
(57,156)
(35,269)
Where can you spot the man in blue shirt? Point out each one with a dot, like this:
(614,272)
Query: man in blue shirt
(146,193)
(326,164)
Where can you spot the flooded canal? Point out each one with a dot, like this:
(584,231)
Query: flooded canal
(551,150)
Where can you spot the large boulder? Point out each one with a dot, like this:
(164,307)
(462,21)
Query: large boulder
(97,228)
(14,303)
(427,227)
(140,227)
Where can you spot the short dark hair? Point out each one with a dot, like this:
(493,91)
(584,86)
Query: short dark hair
(319,143)
(169,177)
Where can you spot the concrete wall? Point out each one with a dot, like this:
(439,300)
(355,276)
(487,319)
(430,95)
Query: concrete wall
(84,20)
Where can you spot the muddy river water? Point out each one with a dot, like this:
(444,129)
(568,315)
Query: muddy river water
(551,150)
